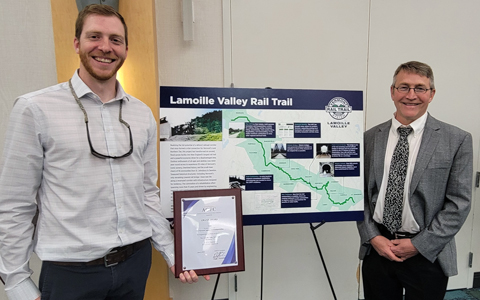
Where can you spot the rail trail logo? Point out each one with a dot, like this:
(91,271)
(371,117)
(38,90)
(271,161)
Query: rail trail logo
(338,108)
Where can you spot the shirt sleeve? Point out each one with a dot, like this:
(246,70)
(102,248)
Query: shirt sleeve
(162,236)
(25,290)
(20,177)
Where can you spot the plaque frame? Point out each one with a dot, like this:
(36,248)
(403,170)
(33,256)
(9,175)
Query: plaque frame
(178,229)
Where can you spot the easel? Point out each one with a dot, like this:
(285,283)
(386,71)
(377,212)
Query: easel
(215,288)
(312,228)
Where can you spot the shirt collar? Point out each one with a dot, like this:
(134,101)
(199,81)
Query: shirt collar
(81,89)
(418,125)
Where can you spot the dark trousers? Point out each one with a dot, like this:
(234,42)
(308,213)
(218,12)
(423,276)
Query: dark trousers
(125,281)
(384,279)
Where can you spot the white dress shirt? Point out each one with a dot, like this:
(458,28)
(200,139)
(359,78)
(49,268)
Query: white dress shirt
(414,140)
(88,205)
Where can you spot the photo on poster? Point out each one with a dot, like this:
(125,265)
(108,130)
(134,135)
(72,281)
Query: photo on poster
(237,181)
(323,151)
(327,169)
(236,130)
(278,151)
(191,125)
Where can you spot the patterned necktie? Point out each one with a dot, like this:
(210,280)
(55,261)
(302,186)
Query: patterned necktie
(392,212)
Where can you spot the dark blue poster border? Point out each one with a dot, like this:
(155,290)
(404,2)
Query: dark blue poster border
(316,217)
(343,158)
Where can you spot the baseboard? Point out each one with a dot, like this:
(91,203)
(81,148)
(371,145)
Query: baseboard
(476,279)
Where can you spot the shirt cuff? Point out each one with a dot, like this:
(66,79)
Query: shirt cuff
(25,290)
(169,255)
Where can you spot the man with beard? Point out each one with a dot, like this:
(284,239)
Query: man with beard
(83,152)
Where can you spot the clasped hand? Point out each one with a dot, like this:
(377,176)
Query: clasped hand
(395,250)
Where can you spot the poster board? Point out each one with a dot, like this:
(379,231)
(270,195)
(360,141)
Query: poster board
(296,154)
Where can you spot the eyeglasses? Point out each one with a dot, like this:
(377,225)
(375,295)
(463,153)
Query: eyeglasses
(95,153)
(405,89)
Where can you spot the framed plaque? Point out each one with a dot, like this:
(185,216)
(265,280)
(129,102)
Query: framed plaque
(208,231)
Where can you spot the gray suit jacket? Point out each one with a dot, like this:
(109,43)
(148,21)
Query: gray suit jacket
(440,189)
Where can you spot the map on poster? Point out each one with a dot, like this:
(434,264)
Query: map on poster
(296,154)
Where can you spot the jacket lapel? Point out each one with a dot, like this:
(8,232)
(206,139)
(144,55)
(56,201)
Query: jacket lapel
(429,142)
(381,138)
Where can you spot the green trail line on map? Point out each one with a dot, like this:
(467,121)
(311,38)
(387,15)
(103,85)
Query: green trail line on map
(323,187)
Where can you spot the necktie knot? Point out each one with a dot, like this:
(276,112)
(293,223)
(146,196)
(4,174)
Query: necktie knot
(404,131)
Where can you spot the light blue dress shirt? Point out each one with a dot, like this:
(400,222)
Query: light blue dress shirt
(88,205)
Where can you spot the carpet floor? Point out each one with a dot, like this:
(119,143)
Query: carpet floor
(467,294)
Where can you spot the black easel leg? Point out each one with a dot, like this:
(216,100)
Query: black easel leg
(321,257)
(261,268)
(215,288)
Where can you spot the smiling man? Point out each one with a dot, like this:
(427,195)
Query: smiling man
(83,152)
(418,184)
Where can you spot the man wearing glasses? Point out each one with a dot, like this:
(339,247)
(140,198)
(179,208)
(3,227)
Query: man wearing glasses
(418,184)
(83,152)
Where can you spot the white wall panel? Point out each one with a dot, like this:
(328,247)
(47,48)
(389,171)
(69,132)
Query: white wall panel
(441,34)
(307,44)
(300,44)
(192,63)
(27,62)
(347,44)
(27,52)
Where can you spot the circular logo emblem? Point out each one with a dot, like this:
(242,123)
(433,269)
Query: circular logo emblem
(338,108)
